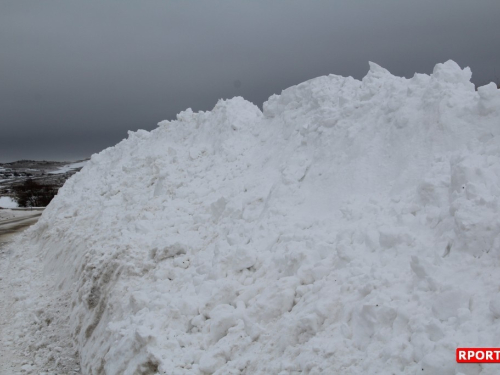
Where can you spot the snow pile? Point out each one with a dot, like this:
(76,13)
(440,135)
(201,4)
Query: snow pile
(351,227)
(7,202)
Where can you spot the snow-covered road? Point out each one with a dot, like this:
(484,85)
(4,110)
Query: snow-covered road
(15,225)
(25,313)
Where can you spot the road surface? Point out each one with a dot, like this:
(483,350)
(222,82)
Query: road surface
(12,226)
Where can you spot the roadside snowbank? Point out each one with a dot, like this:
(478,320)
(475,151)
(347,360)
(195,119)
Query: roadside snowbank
(351,227)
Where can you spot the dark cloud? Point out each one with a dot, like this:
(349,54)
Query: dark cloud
(77,75)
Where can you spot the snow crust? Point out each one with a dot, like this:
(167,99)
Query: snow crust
(351,227)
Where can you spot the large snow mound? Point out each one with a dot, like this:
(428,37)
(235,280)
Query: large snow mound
(351,227)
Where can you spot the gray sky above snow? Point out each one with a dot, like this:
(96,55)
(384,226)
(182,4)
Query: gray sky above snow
(75,76)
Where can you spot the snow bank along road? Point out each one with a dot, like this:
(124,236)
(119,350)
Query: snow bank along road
(351,227)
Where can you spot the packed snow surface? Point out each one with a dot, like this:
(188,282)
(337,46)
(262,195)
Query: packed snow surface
(352,227)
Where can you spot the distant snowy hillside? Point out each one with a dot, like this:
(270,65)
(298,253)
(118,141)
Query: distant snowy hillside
(69,167)
(352,227)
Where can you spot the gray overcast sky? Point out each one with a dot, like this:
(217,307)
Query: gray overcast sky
(76,75)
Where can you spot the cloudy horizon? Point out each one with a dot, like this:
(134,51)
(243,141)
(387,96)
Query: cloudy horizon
(77,76)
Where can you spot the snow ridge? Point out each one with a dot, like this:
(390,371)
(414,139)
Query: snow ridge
(351,227)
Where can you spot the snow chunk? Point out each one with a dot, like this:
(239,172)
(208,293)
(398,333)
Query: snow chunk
(451,72)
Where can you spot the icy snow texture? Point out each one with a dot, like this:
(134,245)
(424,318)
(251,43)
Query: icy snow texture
(351,227)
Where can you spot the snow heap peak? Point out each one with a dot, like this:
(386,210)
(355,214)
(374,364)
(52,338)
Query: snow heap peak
(350,227)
